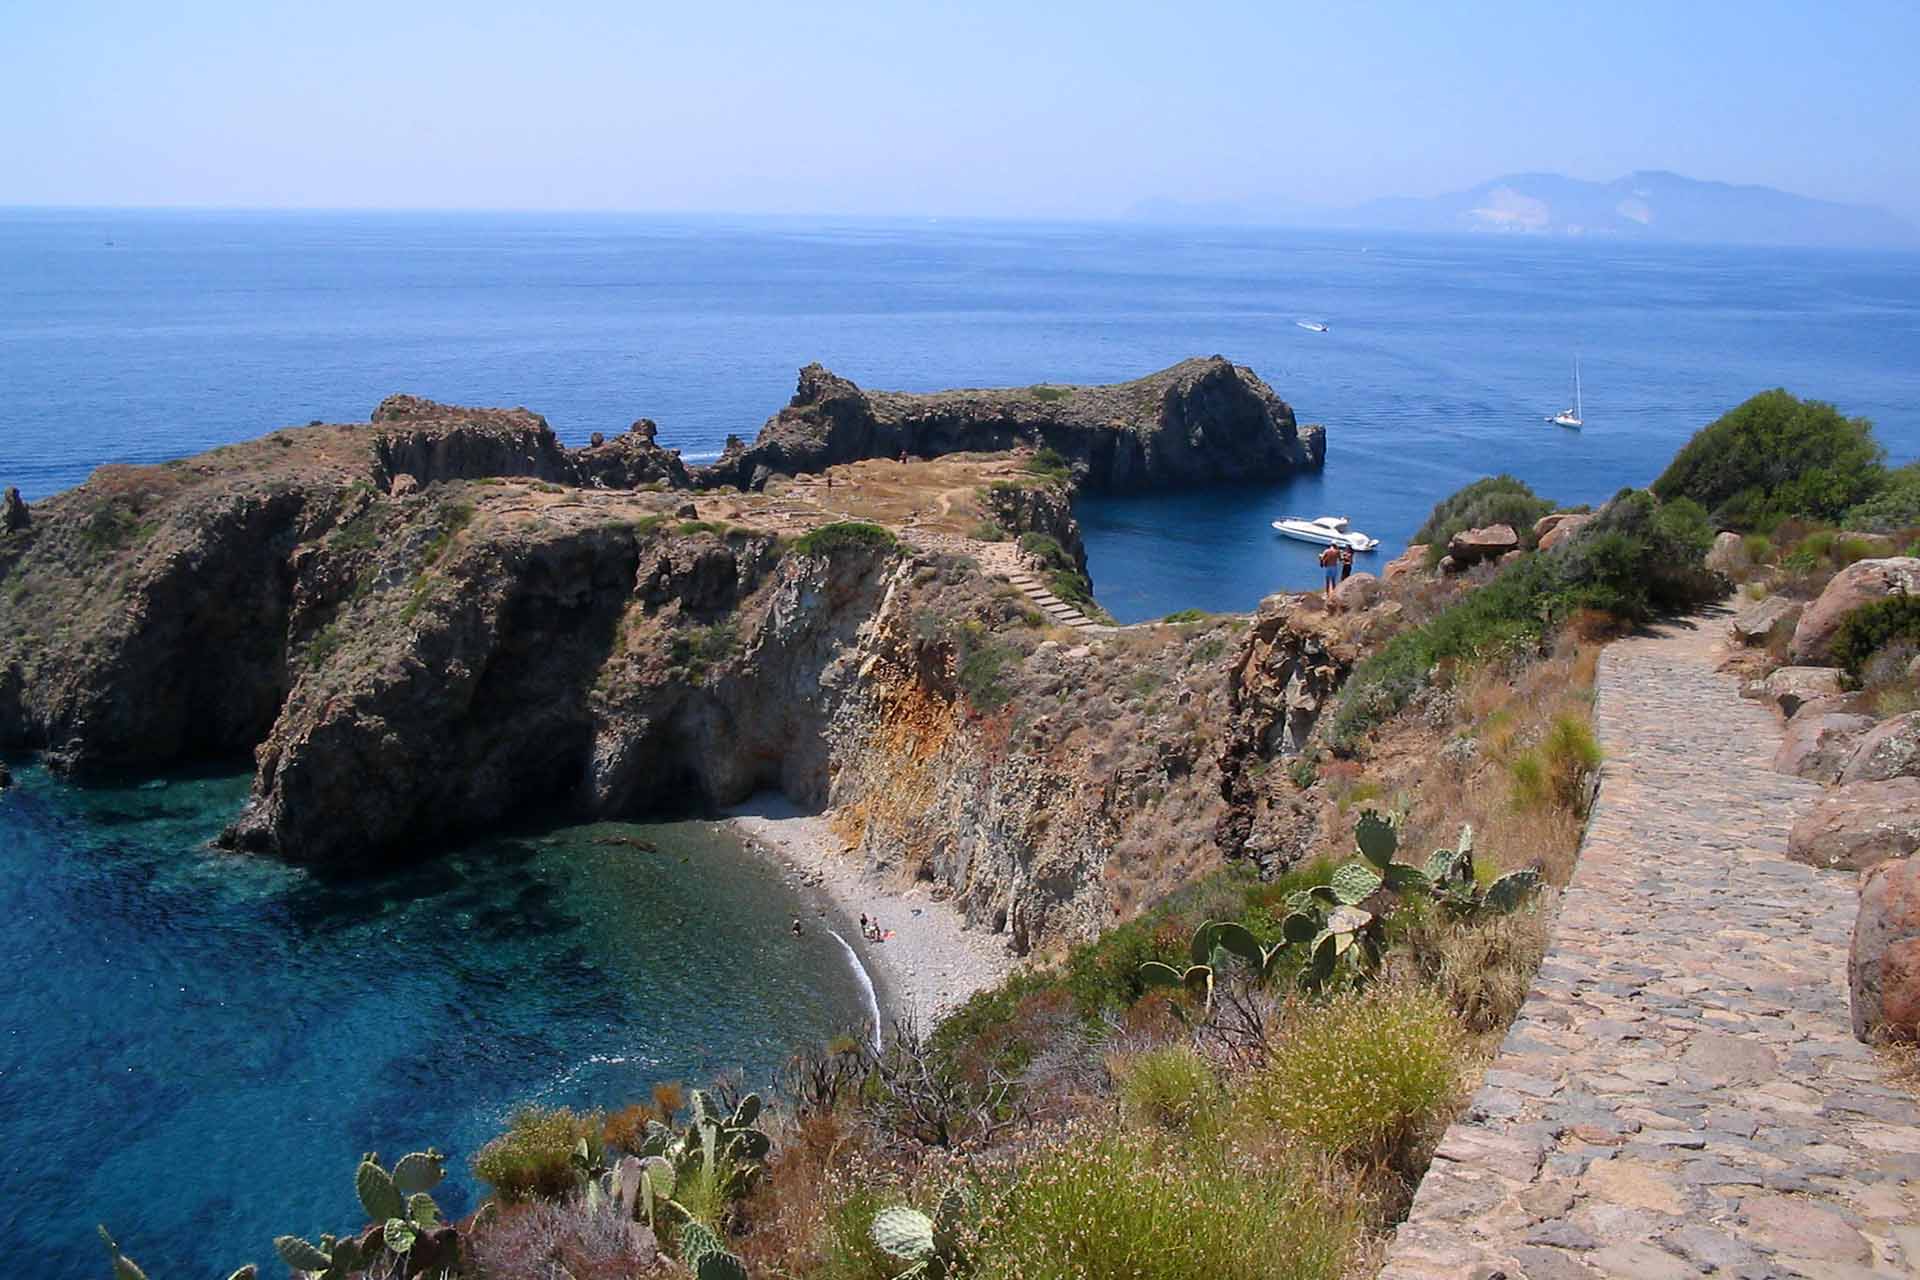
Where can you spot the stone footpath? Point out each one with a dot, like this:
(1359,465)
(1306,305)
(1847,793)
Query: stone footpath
(1681,1094)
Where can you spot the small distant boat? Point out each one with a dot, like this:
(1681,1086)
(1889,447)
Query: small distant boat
(1313,326)
(1327,530)
(1571,417)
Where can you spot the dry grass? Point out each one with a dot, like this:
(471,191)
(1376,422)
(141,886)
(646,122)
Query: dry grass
(548,1240)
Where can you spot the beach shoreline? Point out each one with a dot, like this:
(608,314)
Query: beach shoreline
(931,965)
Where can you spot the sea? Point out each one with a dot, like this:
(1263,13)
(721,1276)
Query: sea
(195,1048)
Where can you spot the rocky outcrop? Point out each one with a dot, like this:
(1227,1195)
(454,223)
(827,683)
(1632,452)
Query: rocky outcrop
(1728,554)
(1789,688)
(1203,420)
(1412,560)
(1360,591)
(1860,583)
(1891,750)
(1291,661)
(1883,964)
(1858,825)
(1041,508)
(431,442)
(1563,528)
(1817,744)
(1471,546)
(1756,624)
(14,515)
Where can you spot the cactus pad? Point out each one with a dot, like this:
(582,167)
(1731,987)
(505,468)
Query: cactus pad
(904,1233)
(1510,890)
(378,1196)
(1299,928)
(299,1255)
(1354,883)
(419,1171)
(1376,838)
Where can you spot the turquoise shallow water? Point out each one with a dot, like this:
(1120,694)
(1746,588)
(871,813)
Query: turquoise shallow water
(195,1047)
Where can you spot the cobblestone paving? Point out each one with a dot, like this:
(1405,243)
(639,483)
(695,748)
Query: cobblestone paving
(1681,1094)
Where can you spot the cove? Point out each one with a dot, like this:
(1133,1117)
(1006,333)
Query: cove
(195,1047)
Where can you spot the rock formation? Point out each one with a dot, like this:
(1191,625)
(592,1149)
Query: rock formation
(1860,583)
(1755,624)
(1858,825)
(1471,546)
(1818,744)
(422,625)
(1891,750)
(1790,688)
(1201,420)
(1883,965)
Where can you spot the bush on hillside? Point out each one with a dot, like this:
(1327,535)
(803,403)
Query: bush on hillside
(1773,457)
(844,535)
(1134,1207)
(1895,507)
(533,1159)
(1497,499)
(1873,627)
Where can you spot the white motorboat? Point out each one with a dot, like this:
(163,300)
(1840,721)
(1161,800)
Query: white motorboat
(1328,530)
(1313,326)
(1570,417)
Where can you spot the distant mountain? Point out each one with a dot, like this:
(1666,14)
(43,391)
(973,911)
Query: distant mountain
(1651,205)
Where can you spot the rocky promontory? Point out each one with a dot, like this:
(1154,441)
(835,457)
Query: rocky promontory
(1200,421)
(419,626)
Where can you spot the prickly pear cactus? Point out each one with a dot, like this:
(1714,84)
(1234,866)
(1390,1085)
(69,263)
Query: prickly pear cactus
(904,1233)
(378,1196)
(1376,838)
(1512,889)
(1354,883)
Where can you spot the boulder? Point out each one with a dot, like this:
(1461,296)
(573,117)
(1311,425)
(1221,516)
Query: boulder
(1566,528)
(1754,624)
(1860,583)
(403,484)
(1412,560)
(1728,554)
(1789,687)
(1890,751)
(1883,965)
(1548,523)
(1358,592)
(687,511)
(1471,546)
(1818,744)
(646,429)
(13,512)
(1855,826)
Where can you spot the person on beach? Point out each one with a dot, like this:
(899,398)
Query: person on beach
(1330,561)
(1346,563)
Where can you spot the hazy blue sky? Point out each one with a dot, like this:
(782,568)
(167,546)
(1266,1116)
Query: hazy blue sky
(999,107)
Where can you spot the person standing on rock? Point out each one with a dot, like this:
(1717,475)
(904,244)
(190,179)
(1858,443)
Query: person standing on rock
(1330,561)
(1346,563)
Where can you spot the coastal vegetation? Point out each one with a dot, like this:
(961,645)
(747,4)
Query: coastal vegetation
(1777,457)
(1494,500)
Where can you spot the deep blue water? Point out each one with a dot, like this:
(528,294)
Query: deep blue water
(141,336)
(195,1047)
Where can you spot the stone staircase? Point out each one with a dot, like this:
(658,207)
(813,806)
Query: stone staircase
(1058,611)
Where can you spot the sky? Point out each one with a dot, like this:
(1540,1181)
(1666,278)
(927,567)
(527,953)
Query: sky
(998,108)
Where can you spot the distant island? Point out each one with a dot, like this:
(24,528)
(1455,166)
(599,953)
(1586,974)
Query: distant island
(1648,205)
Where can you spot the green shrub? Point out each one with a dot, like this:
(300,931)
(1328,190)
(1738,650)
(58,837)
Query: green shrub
(1049,464)
(1497,499)
(1871,627)
(1169,1087)
(1365,1077)
(533,1159)
(1129,1207)
(1758,547)
(1896,506)
(1186,615)
(1044,392)
(1554,774)
(844,535)
(984,660)
(698,648)
(1773,456)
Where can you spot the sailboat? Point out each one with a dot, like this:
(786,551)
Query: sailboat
(1570,417)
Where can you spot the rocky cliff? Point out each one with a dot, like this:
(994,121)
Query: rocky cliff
(425,624)
(1203,420)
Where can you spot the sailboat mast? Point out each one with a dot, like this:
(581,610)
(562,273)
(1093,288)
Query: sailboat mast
(1579,410)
